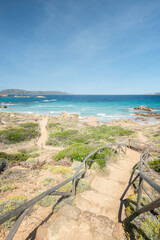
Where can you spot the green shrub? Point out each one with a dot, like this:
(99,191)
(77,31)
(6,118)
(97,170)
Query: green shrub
(107,132)
(145,226)
(47,181)
(155,164)
(9,204)
(7,187)
(29,125)
(47,201)
(62,154)
(16,157)
(78,152)
(65,171)
(24,132)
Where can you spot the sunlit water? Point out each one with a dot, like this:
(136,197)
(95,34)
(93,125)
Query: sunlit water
(105,107)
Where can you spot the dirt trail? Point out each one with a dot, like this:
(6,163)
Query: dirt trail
(104,199)
(41,143)
(141,137)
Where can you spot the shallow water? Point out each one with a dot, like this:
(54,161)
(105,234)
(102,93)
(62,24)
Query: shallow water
(105,107)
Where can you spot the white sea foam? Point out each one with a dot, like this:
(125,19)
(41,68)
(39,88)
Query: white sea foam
(101,114)
(50,100)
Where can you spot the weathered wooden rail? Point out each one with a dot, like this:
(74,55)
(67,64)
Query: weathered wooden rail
(23,209)
(142,175)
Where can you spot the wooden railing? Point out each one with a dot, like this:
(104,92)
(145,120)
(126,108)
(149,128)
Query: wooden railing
(23,209)
(141,173)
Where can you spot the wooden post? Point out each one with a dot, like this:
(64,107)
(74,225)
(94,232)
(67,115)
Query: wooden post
(139,196)
(129,143)
(74,187)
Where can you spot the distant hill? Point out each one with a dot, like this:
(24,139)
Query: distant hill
(24,92)
(153,93)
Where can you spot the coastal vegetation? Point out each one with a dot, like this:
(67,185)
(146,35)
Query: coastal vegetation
(79,151)
(19,133)
(155,164)
(146,226)
(61,134)
(9,204)
(16,157)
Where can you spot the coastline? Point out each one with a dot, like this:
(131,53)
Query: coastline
(105,107)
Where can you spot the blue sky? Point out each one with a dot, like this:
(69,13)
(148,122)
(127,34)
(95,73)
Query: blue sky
(80,46)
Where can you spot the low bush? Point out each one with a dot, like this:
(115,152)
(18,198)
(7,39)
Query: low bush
(7,187)
(155,164)
(107,132)
(65,171)
(47,201)
(78,152)
(9,204)
(16,157)
(145,226)
(24,132)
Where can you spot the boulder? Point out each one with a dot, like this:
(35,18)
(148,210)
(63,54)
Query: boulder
(3,106)
(149,114)
(65,114)
(90,121)
(143,108)
(140,119)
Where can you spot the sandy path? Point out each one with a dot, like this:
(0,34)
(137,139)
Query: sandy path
(104,199)
(41,143)
(141,137)
(44,134)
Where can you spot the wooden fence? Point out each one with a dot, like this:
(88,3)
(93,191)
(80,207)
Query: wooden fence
(23,209)
(141,170)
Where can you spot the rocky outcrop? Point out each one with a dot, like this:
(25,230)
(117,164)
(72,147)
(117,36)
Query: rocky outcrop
(149,114)
(3,95)
(143,108)
(70,223)
(3,106)
(140,119)
(90,121)
(74,116)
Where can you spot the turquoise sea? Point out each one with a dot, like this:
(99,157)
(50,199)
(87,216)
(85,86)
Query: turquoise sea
(105,107)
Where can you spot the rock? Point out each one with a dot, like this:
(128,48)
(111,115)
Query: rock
(70,224)
(69,211)
(42,232)
(143,108)
(148,114)
(3,106)
(75,116)
(90,121)
(140,119)
(65,114)
(118,232)
(3,165)
(3,95)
